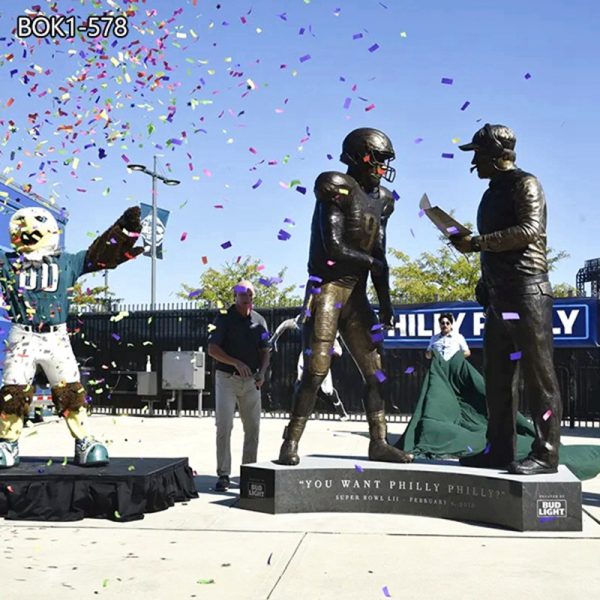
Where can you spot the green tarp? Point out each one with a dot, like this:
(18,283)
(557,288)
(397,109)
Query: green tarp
(450,420)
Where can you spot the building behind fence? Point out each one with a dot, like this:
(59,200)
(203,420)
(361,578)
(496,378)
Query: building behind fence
(112,347)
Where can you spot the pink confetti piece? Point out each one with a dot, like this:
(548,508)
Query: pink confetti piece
(257,184)
(409,370)
(370,107)
(10,489)
(305,58)
(516,355)
(226,245)
(207,172)
(347,103)
(359,469)
(465,105)
(205,260)
(447,80)
(253,150)
(380,376)
(527,75)
(125,158)
(547,415)
(183,236)
(510,316)
(386,592)
(447,155)
(374,47)
(330,263)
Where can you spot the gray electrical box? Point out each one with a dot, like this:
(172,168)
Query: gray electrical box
(183,370)
(146,383)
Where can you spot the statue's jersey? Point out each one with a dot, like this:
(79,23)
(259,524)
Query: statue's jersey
(347,225)
(39,293)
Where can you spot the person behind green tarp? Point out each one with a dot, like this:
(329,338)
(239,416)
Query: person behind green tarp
(450,420)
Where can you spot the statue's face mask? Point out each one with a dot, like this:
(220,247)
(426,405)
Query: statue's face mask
(34,232)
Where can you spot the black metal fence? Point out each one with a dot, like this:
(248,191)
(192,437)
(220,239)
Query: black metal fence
(111,347)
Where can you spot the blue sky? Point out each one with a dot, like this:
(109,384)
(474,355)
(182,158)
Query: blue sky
(238,95)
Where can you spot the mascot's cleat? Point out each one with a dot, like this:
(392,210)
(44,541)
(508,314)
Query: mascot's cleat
(90,453)
(9,454)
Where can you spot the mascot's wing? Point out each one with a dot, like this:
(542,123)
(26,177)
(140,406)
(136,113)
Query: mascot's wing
(281,329)
(116,244)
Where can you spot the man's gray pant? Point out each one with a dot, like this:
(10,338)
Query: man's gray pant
(231,390)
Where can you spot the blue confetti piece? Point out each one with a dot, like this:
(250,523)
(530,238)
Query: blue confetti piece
(447,155)
(315,278)
(300,189)
(305,58)
(409,370)
(380,376)
(359,469)
(347,103)
(356,36)
(487,448)
(374,47)
(516,355)
(226,245)
(465,105)
(283,235)
(527,75)
(395,195)
(447,80)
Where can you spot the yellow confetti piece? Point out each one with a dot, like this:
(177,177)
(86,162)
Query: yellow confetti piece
(403,34)
(211,327)
(64,462)
(49,463)
(205,581)
(343,192)
(131,468)
(455,140)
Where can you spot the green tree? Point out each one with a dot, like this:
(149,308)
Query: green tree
(564,290)
(216,286)
(98,295)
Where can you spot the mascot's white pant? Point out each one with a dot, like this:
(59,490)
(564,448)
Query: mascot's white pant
(51,350)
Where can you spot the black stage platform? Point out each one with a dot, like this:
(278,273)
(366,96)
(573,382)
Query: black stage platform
(46,489)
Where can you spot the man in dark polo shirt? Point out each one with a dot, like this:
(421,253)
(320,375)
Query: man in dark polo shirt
(239,344)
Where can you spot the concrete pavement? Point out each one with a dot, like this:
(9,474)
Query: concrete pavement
(209,548)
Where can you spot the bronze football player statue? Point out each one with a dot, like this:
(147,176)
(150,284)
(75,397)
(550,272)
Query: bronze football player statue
(515,291)
(347,244)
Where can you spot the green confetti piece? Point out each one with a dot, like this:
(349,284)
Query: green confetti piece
(49,462)
(117,514)
(131,468)
(295,182)
(205,581)
(105,583)
(64,462)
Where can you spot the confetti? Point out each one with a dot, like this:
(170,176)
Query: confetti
(183,236)
(205,581)
(386,592)
(487,448)
(510,316)
(515,355)
(374,47)
(409,370)
(527,75)
(370,107)
(357,36)
(380,376)
(10,489)
(447,155)
(257,184)
(226,245)
(205,260)
(465,105)
(447,80)
(359,469)
(195,293)
(452,230)
(116,336)
(421,213)
(547,519)
(418,140)
(131,468)
(300,189)
(305,58)
(283,235)
(105,583)
(469,449)
(547,415)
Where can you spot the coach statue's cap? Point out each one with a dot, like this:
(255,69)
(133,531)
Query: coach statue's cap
(494,138)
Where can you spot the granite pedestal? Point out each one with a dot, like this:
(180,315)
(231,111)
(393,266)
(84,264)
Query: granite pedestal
(434,489)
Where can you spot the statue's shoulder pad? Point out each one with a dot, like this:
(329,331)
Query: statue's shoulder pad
(332,185)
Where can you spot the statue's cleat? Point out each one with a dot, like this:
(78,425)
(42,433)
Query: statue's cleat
(288,455)
(90,453)
(381,451)
(9,454)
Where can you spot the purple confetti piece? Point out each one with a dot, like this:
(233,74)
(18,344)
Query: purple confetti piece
(315,278)
(308,352)
(240,289)
(301,31)
(374,47)
(338,305)
(356,36)
(195,293)
(547,519)
(527,76)
(265,335)
(359,469)
(307,312)
(347,103)
(265,282)
(305,58)
(301,189)
(409,370)
(377,327)
(226,245)
(510,316)
(487,448)
(547,415)
(384,589)
(418,140)
(315,290)
(257,184)
(283,235)
(395,195)
(116,336)
(421,213)
(515,355)
(377,337)
(453,230)
(290,221)
(447,80)
(329,157)
(447,155)
(380,376)
(465,105)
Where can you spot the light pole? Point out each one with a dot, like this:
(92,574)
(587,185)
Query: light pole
(155,175)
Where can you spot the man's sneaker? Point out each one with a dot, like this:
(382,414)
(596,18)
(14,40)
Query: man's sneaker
(222,484)
(9,454)
(90,453)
